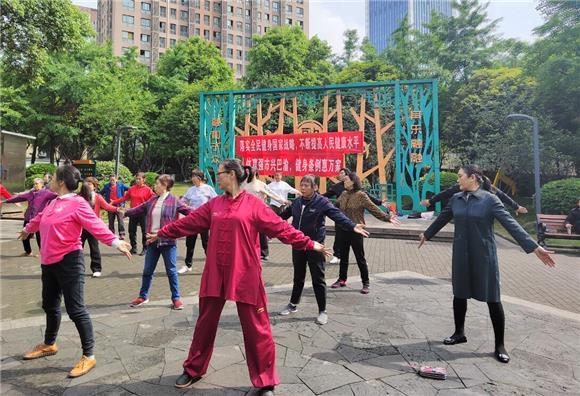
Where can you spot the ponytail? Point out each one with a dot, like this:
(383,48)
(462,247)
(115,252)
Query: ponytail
(69,175)
(85,192)
(482,180)
(249,174)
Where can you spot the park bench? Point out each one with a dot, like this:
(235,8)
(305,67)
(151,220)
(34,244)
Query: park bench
(552,226)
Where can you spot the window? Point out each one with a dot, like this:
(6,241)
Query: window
(231,65)
(259,16)
(239,54)
(197,32)
(163,11)
(206,34)
(301,24)
(230,38)
(230,53)
(184,15)
(275,19)
(127,37)
(217,22)
(145,38)
(248,28)
(248,3)
(129,3)
(145,54)
(248,14)
(248,42)
(267,4)
(289,21)
(128,20)
(206,19)
(162,42)
(239,11)
(207,5)
(239,26)
(173,13)
(230,10)
(183,30)
(172,43)
(217,36)
(239,68)
(289,8)
(146,7)
(268,17)
(239,40)
(300,11)
(196,3)
(275,6)
(162,27)
(197,18)
(173,28)
(173,1)
(300,1)
(146,23)
(230,24)
(259,29)
(184,2)
(217,7)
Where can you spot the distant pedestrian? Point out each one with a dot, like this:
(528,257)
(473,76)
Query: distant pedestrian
(160,210)
(115,189)
(282,189)
(37,198)
(138,194)
(97,202)
(353,202)
(196,196)
(475,270)
(60,225)
(572,222)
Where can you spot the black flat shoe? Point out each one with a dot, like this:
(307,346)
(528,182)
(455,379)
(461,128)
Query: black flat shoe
(186,380)
(502,357)
(455,340)
(267,391)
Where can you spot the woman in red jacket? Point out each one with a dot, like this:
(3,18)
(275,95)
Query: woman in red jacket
(97,202)
(233,272)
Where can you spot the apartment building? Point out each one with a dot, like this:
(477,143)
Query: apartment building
(92,14)
(153,26)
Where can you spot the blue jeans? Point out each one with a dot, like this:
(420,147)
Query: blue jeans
(169,253)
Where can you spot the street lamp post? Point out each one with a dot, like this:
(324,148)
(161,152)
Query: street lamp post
(536,139)
(118,155)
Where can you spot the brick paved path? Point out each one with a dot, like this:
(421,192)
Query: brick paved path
(523,276)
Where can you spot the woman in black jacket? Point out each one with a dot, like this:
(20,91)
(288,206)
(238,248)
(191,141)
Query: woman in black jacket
(308,215)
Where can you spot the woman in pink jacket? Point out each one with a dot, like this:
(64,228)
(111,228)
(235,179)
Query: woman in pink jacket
(233,272)
(63,268)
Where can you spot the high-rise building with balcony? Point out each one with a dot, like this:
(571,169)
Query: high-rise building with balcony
(383,17)
(153,26)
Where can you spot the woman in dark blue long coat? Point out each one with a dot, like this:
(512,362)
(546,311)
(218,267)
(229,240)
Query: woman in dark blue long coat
(475,271)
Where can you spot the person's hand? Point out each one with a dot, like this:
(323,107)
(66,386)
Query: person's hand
(125,248)
(22,235)
(385,203)
(287,202)
(422,240)
(569,229)
(425,202)
(545,256)
(394,220)
(360,229)
(151,238)
(521,210)
(319,247)
(121,210)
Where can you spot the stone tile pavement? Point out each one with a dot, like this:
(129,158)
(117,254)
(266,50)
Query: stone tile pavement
(369,347)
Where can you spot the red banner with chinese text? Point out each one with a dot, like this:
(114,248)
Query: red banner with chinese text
(299,154)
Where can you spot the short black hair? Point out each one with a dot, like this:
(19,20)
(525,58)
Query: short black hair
(356,183)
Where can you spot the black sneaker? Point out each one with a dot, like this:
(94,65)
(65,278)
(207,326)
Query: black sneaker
(186,380)
(265,258)
(133,251)
(143,252)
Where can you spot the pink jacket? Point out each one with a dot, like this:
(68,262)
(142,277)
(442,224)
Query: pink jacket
(233,270)
(61,224)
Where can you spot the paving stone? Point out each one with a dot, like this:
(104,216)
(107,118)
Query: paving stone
(295,359)
(380,367)
(235,376)
(321,376)
(298,389)
(411,384)
(374,388)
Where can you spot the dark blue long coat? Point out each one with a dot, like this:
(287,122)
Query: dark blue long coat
(475,271)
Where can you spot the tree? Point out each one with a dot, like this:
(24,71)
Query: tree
(34,29)
(286,57)
(351,46)
(404,53)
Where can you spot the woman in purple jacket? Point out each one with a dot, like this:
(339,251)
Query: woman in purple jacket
(37,199)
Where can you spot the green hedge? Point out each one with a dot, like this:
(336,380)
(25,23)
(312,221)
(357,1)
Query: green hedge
(107,168)
(560,196)
(40,169)
(446,180)
(30,180)
(150,178)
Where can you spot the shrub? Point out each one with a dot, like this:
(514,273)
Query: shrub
(560,196)
(30,180)
(150,178)
(446,180)
(107,168)
(40,169)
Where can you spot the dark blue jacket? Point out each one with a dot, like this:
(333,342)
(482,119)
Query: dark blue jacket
(106,192)
(308,216)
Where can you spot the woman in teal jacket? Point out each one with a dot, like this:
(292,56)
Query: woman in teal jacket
(475,271)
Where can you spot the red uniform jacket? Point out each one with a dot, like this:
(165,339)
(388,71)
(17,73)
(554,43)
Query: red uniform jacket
(233,268)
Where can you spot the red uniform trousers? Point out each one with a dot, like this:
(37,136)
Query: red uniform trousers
(258,340)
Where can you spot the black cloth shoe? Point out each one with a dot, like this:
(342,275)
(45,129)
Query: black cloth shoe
(455,339)
(186,380)
(266,391)
(501,355)
(133,251)
(142,252)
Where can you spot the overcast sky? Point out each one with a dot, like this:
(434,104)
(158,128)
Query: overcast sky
(330,18)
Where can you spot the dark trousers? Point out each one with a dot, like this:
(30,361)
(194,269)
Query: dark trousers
(26,242)
(315,261)
(66,278)
(94,249)
(190,246)
(278,209)
(264,251)
(140,221)
(120,224)
(352,239)
(336,246)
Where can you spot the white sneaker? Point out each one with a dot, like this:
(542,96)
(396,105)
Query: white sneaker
(184,269)
(322,318)
(290,308)
(96,274)
(335,260)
